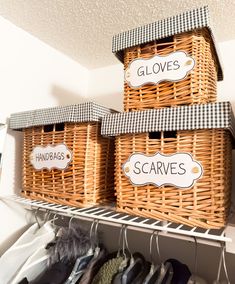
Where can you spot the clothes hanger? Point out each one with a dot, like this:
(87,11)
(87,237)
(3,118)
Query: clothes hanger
(125,251)
(46,220)
(135,266)
(94,238)
(45,224)
(36,218)
(166,270)
(162,273)
(117,279)
(192,279)
(195,279)
(222,261)
(154,268)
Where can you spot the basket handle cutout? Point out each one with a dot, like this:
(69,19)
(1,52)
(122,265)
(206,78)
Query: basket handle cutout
(170,134)
(53,127)
(164,42)
(168,39)
(155,135)
(59,127)
(166,134)
(48,128)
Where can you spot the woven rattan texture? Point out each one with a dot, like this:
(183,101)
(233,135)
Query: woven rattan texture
(198,87)
(206,204)
(87,181)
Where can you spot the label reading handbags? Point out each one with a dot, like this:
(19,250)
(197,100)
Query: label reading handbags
(179,170)
(172,67)
(50,157)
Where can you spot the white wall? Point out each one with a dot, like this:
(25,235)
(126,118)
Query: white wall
(33,75)
(226,91)
(106,86)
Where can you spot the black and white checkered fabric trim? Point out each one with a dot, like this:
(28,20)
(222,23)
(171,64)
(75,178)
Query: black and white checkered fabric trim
(204,116)
(85,112)
(187,21)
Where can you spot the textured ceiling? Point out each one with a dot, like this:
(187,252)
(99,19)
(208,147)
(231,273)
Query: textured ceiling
(83,30)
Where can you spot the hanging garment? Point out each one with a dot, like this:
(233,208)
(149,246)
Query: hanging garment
(18,253)
(131,272)
(57,273)
(134,269)
(153,274)
(144,272)
(70,244)
(108,271)
(33,267)
(166,274)
(79,268)
(93,267)
(194,279)
(24,281)
(181,272)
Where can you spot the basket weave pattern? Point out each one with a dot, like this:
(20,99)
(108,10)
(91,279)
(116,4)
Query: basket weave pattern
(88,180)
(206,204)
(198,87)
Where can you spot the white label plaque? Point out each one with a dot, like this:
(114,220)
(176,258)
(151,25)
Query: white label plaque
(179,170)
(172,67)
(49,157)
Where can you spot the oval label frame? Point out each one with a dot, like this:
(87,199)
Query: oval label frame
(180,62)
(180,169)
(51,157)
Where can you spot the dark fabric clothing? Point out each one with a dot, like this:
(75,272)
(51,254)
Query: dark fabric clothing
(117,279)
(58,273)
(153,276)
(24,281)
(93,267)
(131,272)
(143,274)
(181,272)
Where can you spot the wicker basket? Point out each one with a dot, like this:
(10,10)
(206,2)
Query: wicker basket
(205,204)
(171,35)
(88,179)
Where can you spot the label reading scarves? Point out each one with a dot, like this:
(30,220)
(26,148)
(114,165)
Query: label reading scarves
(172,67)
(179,170)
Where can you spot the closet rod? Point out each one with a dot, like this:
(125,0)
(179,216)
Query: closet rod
(108,216)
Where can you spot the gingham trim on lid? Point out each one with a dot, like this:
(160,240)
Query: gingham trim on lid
(85,112)
(187,21)
(204,116)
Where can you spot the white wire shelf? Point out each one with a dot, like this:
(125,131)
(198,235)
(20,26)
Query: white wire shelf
(108,215)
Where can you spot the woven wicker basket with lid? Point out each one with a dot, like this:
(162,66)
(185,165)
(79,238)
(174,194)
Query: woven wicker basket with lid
(153,147)
(65,158)
(156,58)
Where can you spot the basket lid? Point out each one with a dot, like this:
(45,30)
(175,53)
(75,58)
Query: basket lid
(184,22)
(203,116)
(85,112)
